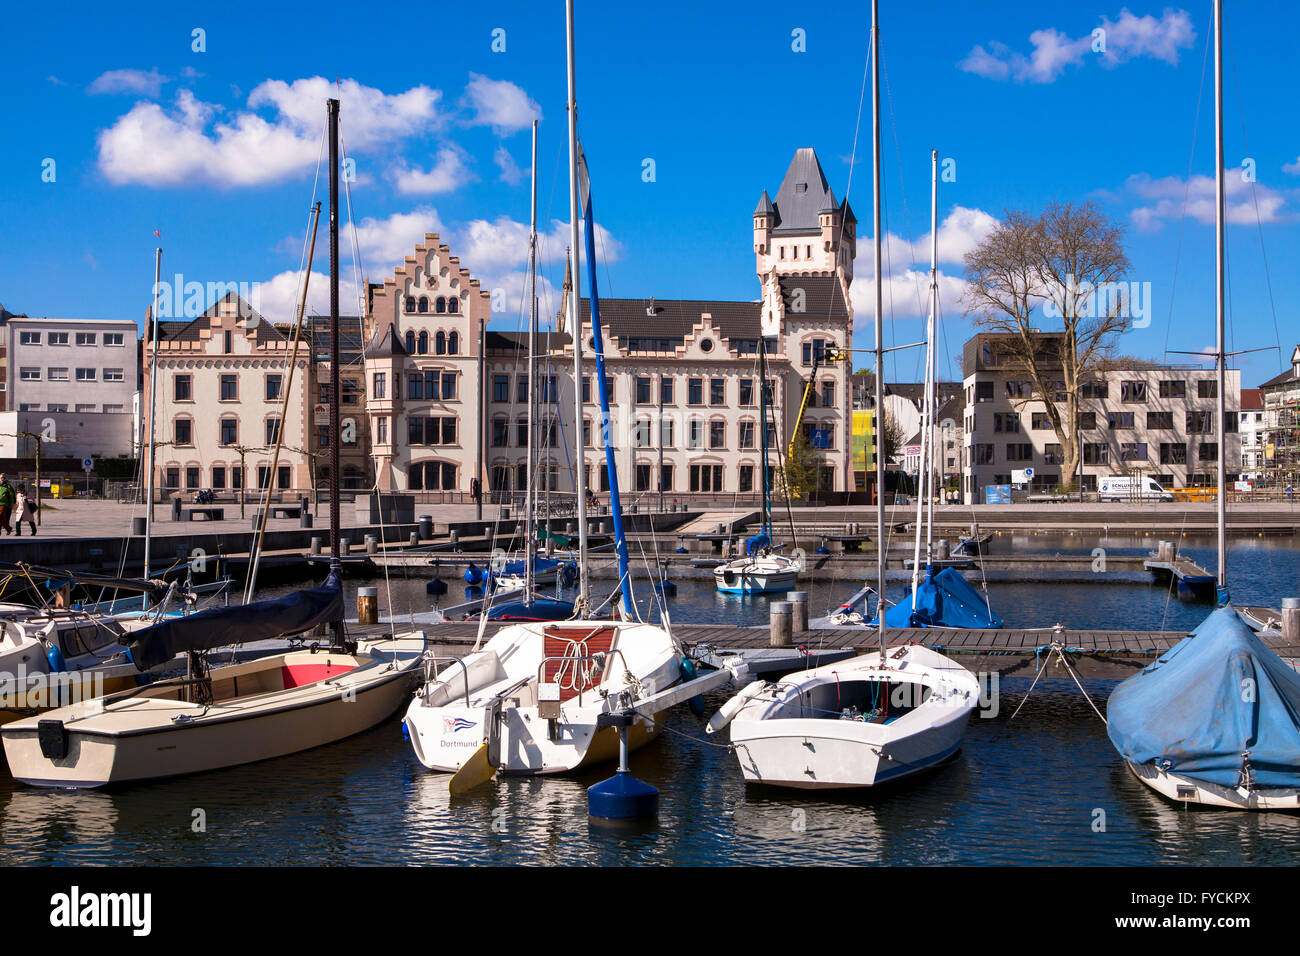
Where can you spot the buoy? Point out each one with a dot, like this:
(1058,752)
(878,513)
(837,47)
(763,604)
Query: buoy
(825,550)
(682,551)
(666,587)
(622,796)
(473,574)
(435,587)
(55,657)
(689,673)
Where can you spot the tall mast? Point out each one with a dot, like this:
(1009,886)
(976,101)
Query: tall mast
(153,418)
(333,107)
(932,395)
(1221,402)
(762,414)
(880,329)
(529,547)
(575,328)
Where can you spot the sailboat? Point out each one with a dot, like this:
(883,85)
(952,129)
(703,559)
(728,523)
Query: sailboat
(943,598)
(239,713)
(761,569)
(1216,719)
(539,697)
(879,717)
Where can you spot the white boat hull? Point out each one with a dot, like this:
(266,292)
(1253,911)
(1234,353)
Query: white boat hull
(1182,789)
(762,575)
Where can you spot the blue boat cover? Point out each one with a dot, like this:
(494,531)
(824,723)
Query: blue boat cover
(945,599)
(1206,701)
(238,624)
(542,609)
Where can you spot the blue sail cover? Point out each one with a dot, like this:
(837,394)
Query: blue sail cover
(945,599)
(238,624)
(1206,701)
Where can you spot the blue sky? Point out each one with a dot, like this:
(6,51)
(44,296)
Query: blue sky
(217,149)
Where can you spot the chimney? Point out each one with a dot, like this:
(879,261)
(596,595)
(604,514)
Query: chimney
(650,309)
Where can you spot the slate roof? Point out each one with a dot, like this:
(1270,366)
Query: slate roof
(1285,378)
(803,194)
(623,317)
(822,296)
(386,342)
(189,330)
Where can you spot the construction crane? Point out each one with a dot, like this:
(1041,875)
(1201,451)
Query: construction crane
(819,358)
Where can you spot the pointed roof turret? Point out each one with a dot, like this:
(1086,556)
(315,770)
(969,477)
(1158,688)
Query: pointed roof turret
(803,194)
(765,207)
(385,343)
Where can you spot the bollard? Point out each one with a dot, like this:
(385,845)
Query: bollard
(454,537)
(372,544)
(96,559)
(176,509)
(1291,620)
(848,528)
(138,526)
(345,546)
(798,611)
(600,527)
(368,605)
(719,528)
(780,621)
(414,540)
(426,526)
(315,545)
(571,527)
(304,518)
(942,550)
(975,530)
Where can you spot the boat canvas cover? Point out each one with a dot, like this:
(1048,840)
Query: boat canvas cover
(243,623)
(1208,700)
(945,599)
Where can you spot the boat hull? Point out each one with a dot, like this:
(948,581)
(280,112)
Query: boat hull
(1183,789)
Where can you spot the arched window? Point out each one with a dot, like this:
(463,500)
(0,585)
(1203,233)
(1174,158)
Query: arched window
(424,343)
(424,304)
(440,343)
(453,306)
(410,303)
(453,343)
(410,343)
(442,305)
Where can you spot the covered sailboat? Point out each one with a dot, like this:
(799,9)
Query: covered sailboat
(945,599)
(1216,719)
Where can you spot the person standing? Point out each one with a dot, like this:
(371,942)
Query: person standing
(25,510)
(6,504)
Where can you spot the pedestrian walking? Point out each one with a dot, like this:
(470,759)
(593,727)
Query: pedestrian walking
(6,504)
(24,510)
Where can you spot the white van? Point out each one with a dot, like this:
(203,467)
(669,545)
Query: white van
(1131,488)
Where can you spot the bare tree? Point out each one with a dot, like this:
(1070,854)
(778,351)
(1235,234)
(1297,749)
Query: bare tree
(1070,261)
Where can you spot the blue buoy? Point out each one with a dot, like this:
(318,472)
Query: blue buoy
(435,587)
(682,551)
(622,796)
(406,732)
(666,587)
(689,673)
(823,550)
(55,657)
(473,574)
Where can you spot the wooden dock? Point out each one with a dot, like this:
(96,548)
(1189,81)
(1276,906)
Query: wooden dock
(1194,583)
(1008,651)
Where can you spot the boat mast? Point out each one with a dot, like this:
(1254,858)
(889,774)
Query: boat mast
(575,329)
(880,330)
(1221,403)
(762,414)
(333,108)
(932,394)
(532,384)
(153,419)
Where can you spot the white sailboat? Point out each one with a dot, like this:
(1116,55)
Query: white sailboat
(875,718)
(239,713)
(544,697)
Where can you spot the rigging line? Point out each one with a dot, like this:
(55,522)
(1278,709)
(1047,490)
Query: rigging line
(1254,196)
(1187,186)
(902,187)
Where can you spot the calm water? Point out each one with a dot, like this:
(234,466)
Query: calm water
(1028,791)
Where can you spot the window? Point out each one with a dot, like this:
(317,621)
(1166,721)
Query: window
(1200,423)
(586,389)
(983,391)
(1173,453)
(706,477)
(114,338)
(29,375)
(500,388)
(642,477)
(1006,422)
(984,454)
(815,350)
(666,432)
(665,390)
(440,343)
(1133,451)
(717,434)
(114,375)
(1160,420)
(1087,421)
(351,391)
(1119,420)
(448,386)
(229,388)
(422,306)
(380,381)
(226,342)
(283,479)
(1173,388)
(521,433)
(643,390)
(1040,422)
(273,384)
(695,433)
(85,338)
(272,430)
(322,436)
(586,433)
(191,478)
(666,477)
(746,391)
(1207,388)
(172,479)
(695,391)
(56,374)
(29,338)
(1019,389)
(1100,389)
(58,338)
(57,408)
(1132,391)
(1209,451)
(183,430)
(113,409)
(747,479)
(453,342)
(717,391)
(381,429)
(746,436)
(1096,454)
(641,434)
(423,347)
(550,393)
(219,478)
(1052,455)
(500,433)
(408,306)
(828,394)
(86,374)
(229,431)
(522,391)
(1023,451)
(410,340)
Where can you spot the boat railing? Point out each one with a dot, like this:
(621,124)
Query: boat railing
(429,676)
(598,656)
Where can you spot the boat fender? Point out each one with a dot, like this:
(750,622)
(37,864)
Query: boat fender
(689,673)
(55,657)
(568,575)
(406,732)
(473,575)
(732,707)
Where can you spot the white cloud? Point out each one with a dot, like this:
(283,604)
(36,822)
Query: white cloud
(386,242)
(157,147)
(1292,169)
(1113,42)
(510,171)
(277,298)
(1165,200)
(449,172)
(500,104)
(129,81)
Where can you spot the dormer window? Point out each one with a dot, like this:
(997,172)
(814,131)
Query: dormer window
(801,187)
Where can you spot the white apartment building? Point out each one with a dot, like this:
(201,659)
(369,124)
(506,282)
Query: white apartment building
(1281,397)
(1252,429)
(1157,421)
(75,366)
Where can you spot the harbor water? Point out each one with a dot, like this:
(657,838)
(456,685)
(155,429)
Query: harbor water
(1045,788)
